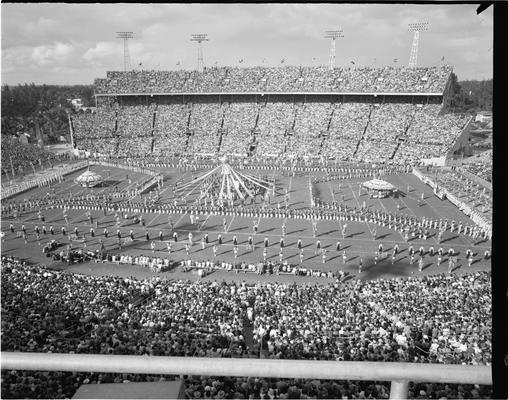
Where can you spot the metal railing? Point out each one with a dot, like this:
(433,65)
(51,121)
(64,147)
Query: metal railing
(399,374)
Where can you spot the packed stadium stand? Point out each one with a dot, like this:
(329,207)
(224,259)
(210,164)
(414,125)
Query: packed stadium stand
(361,114)
(51,311)
(19,156)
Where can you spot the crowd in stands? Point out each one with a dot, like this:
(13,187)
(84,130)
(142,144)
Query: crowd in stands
(273,123)
(429,134)
(24,157)
(205,121)
(135,121)
(480,165)
(278,79)
(170,129)
(348,131)
(52,311)
(472,197)
(96,125)
(239,122)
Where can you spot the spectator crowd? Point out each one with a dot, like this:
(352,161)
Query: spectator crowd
(352,130)
(52,311)
(278,79)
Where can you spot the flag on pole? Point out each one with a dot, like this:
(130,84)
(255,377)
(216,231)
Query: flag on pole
(352,62)
(395,60)
(282,61)
(140,64)
(442,58)
(264,59)
(178,63)
(240,61)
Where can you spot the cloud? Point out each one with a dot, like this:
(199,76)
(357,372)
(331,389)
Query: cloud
(15,58)
(52,54)
(102,54)
(80,40)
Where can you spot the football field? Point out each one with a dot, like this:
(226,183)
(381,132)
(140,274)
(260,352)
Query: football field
(358,241)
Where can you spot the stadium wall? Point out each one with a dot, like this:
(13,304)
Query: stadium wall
(147,99)
(462,142)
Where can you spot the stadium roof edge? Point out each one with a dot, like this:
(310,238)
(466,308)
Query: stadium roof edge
(326,67)
(269,93)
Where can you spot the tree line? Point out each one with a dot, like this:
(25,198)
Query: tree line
(471,96)
(40,110)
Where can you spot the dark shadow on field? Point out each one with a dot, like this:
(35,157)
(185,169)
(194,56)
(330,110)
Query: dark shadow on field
(351,235)
(448,239)
(154,226)
(426,266)
(383,236)
(327,233)
(267,230)
(384,268)
(110,182)
(240,228)
(188,227)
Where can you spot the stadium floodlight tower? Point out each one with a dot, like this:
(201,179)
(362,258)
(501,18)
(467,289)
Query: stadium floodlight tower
(416,28)
(126,58)
(199,38)
(333,35)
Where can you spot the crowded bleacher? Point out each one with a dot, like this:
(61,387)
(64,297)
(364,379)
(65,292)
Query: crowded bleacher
(279,127)
(480,165)
(23,157)
(397,129)
(46,310)
(278,79)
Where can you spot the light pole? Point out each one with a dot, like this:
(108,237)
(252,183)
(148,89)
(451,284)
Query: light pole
(416,28)
(199,38)
(333,35)
(126,57)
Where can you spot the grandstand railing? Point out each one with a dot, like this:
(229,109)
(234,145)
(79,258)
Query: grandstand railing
(268,93)
(398,373)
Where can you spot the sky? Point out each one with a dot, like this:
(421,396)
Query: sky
(75,43)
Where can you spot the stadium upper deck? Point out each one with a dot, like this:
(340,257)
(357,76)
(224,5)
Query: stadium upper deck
(393,80)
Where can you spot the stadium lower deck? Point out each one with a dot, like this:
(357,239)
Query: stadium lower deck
(358,241)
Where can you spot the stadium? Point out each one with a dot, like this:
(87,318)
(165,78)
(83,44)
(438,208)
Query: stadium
(293,213)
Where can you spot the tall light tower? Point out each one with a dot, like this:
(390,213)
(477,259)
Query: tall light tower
(333,35)
(416,28)
(126,58)
(199,38)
